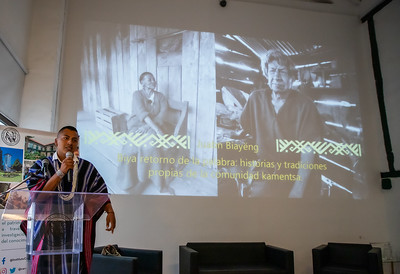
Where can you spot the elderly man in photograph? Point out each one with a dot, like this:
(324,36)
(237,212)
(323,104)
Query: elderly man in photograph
(280,112)
(82,177)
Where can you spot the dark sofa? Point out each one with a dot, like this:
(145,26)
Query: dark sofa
(132,260)
(234,258)
(339,258)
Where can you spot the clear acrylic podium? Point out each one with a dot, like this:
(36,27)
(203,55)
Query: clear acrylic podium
(54,222)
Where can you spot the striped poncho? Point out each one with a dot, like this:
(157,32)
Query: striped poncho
(88,180)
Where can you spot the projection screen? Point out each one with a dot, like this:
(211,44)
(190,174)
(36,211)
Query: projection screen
(227,122)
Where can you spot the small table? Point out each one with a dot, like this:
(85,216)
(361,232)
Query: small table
(391,262)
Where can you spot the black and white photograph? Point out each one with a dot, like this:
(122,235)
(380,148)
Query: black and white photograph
(180,112)
(274,94)
(149,109)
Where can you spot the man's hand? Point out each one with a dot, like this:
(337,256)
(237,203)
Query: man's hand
(110,221)
(67,164)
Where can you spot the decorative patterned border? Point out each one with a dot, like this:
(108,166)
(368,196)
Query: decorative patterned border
(318,147)
(136,139)
(183,141)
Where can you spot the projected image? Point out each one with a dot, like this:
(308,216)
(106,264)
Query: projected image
(289,114)
(178,112)
(149,99)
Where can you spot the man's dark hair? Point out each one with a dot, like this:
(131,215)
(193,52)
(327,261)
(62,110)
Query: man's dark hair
(280,57)
(69,128)
(144,74)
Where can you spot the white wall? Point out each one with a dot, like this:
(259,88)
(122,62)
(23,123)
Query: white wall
(387,23)
(15,17)
(167,222)
(387,27)
(39,100)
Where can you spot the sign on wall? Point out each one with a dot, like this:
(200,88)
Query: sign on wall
(19,148)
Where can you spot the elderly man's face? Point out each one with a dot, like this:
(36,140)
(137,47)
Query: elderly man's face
(278,77)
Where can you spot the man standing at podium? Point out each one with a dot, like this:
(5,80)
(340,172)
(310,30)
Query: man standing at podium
(65,172)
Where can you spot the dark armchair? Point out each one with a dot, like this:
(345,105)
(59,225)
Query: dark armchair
(137,261)
(246,258)
(348,258)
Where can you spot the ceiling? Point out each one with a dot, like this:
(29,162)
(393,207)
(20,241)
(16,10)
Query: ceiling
(348,7)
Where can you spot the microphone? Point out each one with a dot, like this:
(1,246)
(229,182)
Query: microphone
(45,167)
(69,154)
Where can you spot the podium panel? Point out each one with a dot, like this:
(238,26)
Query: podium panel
(54,224)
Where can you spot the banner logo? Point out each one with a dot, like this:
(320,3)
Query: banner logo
(10,136)
(57,230)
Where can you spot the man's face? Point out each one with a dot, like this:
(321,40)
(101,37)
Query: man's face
(278,77)
(67,140)
(148,81)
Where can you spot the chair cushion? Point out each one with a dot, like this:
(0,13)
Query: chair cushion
(216,254)
(342,270)
(241,269)
(353,255)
